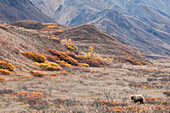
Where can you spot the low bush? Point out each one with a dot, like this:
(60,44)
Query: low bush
(48,66)
(6,65)
(63,63)
(71,47)
(51,58)
(64,56)
(84,64)
(56,39)
(38,74)
(75,60)
(19,66)
(55,59)
(73,55)
(4,72)
(34,56)
(91,62)
(54,74)
(58,32)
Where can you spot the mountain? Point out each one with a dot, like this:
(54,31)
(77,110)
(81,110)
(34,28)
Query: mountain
(14,10)
(141,24)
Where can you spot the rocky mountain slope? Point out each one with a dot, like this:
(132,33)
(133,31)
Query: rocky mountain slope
(139,23)
(14,10)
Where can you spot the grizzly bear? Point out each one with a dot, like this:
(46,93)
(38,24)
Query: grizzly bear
(138,98)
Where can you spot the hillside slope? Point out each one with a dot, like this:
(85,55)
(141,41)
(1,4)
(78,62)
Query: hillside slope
(40,72)
(14,10)
(16,40)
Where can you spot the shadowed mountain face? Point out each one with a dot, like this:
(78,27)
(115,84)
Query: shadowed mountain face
(142,24)
(14,10)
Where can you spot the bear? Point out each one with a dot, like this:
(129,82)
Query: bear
(138,98)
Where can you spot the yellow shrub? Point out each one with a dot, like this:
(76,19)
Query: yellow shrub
(6,65)
(38,74)
(138,63)
(49,66)
(34,56)
(46,64)
(84,64)
(67,42)
(70,47)
(4,72)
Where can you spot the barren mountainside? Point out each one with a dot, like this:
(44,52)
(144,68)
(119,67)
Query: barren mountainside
(142,24)
(14,10)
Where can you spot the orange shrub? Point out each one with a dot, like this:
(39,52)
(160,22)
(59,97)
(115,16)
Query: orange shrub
(6,65)
(51,58)
(18,66)
(64,72)
(70,47)
(139,63)
(38,74)
(56,39)
(36,95)
(91,62)
(84,64)
(55,59)
(34,56)
(73,55)
(64,56)
(54,74)
(151,71)
(4,72)
(24,95)
(57,32)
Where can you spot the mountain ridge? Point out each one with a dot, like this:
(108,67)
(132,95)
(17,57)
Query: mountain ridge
(149,18)
(11,11)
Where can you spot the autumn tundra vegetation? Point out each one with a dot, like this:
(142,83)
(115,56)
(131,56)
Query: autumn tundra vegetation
(46,71)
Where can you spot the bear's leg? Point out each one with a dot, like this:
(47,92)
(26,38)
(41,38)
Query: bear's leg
(141,101)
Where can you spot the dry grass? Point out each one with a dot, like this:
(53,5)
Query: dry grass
(2,78)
